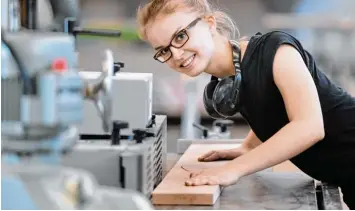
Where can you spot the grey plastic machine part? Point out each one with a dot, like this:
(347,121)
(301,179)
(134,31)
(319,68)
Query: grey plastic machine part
(42,107)
(42,45)
(131,102)
(63,9)
(37,55)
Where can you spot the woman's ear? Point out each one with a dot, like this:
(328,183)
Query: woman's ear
(212,24)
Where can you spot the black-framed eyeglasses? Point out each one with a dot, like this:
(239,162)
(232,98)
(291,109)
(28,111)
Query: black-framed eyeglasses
(178,41)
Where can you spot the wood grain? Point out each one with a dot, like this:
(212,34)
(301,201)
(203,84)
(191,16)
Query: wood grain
(172,190)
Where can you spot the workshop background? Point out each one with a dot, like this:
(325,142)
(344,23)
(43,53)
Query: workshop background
(326,28)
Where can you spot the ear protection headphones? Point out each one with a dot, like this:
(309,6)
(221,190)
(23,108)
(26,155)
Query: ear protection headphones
(221,96)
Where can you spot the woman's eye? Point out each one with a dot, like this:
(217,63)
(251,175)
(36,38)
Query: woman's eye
(163,52)
(181,37)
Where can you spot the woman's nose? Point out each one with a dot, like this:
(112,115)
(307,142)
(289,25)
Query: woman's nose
(177,53)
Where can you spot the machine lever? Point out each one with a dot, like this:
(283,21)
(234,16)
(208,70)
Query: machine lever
(96,32)
(101,92)
(202,128)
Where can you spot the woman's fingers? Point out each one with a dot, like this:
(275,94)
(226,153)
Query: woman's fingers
(210,156)
(202,157)
(202,180)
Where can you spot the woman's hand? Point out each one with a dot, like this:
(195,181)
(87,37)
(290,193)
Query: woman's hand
(224,176)
(226,154)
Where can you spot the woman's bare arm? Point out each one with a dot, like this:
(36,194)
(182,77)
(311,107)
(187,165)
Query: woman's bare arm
(251,141)
(306,121)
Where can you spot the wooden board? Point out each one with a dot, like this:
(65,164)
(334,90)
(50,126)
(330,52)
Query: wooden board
(172,190)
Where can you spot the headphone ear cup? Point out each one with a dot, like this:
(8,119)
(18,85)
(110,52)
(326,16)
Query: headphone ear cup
(207,98)
(222,101)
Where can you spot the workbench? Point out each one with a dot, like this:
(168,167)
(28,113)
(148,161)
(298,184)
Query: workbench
(270,190)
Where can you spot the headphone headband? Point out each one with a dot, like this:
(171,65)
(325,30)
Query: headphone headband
(221,96)
(214,78)
(237,77)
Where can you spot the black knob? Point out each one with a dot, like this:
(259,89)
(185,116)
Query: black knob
(117,67)
(139,135)
(151,122)
(116,129)
(119,125)
(223,128)
(223,124)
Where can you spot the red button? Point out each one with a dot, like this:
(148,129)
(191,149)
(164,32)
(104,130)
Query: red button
(59,65)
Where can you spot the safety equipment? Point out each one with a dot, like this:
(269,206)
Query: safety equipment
(221,97)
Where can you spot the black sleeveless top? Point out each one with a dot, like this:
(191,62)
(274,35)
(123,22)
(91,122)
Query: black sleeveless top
(331,159)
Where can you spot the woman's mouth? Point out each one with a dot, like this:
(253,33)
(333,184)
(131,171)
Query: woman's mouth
(189,62)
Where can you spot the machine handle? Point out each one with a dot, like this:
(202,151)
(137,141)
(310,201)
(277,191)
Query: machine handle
(96,32)
(202,128)
(69,27)
(101,92)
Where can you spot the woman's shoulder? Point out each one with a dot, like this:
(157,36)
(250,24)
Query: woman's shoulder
(267,44)
(276,38)
(269,40)
(261,52)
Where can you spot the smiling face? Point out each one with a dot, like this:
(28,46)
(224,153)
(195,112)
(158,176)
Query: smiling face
(191,50)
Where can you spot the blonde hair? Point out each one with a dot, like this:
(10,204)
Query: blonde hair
(147,13)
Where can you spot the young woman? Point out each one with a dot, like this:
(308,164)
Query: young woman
(294,111)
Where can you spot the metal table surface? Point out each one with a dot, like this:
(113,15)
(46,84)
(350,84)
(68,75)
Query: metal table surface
(267,190)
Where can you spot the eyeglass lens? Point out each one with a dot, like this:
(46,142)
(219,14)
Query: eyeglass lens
(178,41)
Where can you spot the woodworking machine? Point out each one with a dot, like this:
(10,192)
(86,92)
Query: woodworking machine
(42,102)
(131,102)
(44,99)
